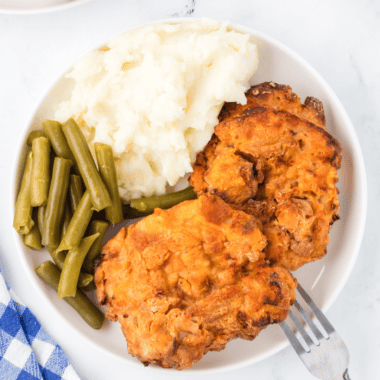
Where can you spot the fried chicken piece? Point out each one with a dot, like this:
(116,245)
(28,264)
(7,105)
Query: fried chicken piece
(281,98)
(230,176)
(295,165)
(187,280)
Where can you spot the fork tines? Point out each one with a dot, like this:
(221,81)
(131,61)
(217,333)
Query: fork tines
(303,318)
(320,348)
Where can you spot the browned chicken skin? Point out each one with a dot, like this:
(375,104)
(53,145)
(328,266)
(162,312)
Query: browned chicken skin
(294,172)
(281,98)
(187,280)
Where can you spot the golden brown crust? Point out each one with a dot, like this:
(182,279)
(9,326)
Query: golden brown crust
(295,164)
(187,280)
(281,98)
(237,182)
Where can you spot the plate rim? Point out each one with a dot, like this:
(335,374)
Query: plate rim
(41,10)
(361,220)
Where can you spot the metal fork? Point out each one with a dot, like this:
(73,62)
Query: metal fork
(324,355)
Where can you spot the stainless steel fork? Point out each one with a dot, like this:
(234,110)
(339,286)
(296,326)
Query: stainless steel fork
(323,352)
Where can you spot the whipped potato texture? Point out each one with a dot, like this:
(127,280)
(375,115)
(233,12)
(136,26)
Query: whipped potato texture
(154,95)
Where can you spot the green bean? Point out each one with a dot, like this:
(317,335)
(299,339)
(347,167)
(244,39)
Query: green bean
(33,238)
(132,213)
(33,135)
(165,201)
(78,224)
(59,259)
(107,169)
(75,191)
(39,187)
(50,274)
(90,287)
(22,220)
(84,280)
(66,219)
(40,218)
(100,227)
(70,273)
(61,148)
(56,202)
(99,195)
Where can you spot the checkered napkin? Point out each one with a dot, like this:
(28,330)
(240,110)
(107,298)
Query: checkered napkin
(27,352)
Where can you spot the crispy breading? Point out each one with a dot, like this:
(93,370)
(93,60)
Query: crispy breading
(295,165)
(281,98)
(187,280)
(230,176)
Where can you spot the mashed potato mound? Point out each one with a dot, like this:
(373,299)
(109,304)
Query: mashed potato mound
(154,95)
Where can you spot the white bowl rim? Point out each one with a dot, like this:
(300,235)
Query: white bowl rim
(48,9)
(361,219)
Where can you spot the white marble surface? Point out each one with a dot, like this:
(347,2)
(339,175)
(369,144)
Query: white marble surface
(341,39)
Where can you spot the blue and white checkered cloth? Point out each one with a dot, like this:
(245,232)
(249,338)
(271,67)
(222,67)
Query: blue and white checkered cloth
(27,352)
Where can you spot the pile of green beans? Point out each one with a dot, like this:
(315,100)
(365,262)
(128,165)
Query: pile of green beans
(54,209)
(61,187)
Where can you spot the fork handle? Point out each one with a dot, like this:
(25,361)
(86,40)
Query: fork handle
(345,375)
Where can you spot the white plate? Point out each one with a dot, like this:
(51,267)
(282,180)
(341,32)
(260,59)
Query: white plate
(323,279)
(23,7)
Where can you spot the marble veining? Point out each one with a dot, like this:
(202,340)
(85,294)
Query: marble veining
(188,11)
